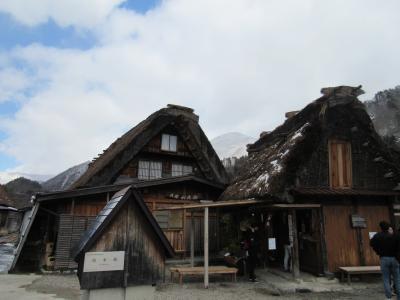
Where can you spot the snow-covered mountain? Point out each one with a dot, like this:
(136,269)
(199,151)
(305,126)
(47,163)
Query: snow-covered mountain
(65,179)
(232,144)
(6,177)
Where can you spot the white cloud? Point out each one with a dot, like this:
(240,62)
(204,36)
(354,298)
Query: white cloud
(80,13)
(240,64)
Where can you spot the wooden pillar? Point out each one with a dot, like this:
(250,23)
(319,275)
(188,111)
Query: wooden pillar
(296,264)
(206,247)
(192,239)
(184,234)
(72,206)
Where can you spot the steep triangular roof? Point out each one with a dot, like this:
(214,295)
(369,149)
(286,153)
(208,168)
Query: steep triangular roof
(276,158)
(107,214)
(103,170)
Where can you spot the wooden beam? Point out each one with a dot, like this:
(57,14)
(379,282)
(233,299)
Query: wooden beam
(212,204)
(191,239)
(206,247)
(229,203)
(296,265)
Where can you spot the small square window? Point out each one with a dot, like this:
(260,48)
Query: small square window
(149,170)
(169,142)
(181,170)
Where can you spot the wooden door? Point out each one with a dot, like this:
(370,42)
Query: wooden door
(309,236)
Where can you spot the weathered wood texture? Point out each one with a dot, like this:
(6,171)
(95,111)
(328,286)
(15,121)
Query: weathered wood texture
(373,214)
(129,231)
(340,164)
(342,243)
(341,239)
(370,162)
(70,230)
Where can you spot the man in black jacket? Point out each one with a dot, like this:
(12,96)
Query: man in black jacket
(387,246)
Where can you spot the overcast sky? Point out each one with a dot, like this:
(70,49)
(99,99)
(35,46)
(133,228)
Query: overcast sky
(76,74)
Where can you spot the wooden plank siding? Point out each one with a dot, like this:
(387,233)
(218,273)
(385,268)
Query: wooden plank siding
(129,231)
(71,229)
(340,238)
(373,214)
(343,247)
(340,164)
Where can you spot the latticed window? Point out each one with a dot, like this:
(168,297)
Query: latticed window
(168,142)
(181,170)
(149,169)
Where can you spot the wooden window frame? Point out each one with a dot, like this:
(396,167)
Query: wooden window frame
(149,170)
(167,138)
(184,169)
(350,164)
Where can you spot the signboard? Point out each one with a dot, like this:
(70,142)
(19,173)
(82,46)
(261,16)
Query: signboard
(358,221)
(272,244)
(371,234)
(104,261)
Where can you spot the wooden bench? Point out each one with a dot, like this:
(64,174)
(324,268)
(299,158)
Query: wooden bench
(200,271)
(359,270)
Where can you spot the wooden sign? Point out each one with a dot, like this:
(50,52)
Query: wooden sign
(358,221)
(104,261)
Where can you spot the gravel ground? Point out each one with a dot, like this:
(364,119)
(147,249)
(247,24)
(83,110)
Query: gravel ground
(23,287)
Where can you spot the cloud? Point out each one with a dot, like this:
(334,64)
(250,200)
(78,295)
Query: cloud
(240,64)
(86,14)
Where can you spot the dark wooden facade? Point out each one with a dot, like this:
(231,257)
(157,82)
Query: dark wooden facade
(329,155)
(167,157)
(125,224)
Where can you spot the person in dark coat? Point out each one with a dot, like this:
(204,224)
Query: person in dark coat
(387,246)
(251,251)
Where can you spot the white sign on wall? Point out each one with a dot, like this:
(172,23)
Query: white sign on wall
(104,261)
(371,234)
(271,244)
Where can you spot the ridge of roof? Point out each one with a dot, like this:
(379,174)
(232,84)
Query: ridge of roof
(165,116)
(107,214)
(275,156)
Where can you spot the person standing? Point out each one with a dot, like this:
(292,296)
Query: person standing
(387,246)
(251,252)
(287,246)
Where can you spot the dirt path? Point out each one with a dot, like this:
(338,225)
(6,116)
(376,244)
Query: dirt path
(50,287)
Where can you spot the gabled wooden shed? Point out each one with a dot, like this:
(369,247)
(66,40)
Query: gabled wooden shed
(124,225)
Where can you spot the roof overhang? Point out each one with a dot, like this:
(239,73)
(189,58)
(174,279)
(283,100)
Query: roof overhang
(41,197)
(318,191)
(7,208)
(233,203)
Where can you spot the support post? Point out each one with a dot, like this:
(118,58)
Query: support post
(206,247)
(192,239)
(296,265)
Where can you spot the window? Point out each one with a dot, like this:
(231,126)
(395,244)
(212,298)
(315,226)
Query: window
(169,219)
(181,170)
(340,165)
(149,169)
(168,142)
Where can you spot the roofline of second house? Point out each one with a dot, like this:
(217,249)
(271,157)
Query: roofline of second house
(42,197)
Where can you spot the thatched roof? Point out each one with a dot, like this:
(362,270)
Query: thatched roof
(102,171)
(278,157)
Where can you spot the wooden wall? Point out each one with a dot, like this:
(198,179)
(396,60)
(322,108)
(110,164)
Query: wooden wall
(373,214)
(129,231)
(342,242)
